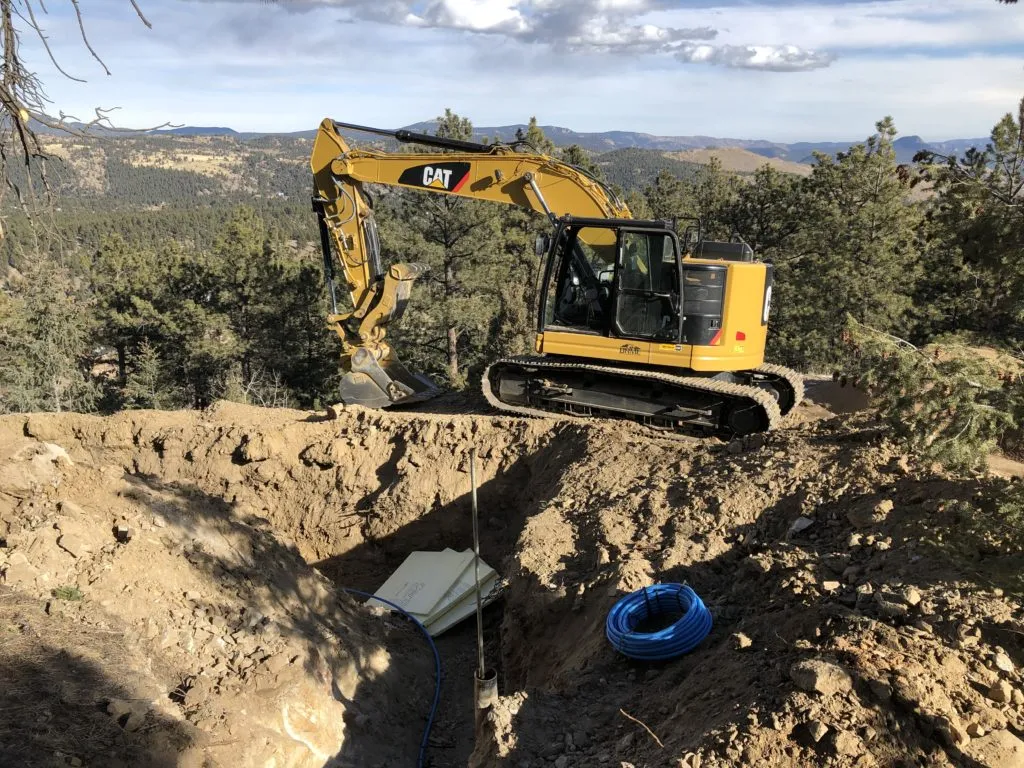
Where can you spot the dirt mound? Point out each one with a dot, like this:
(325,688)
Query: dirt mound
(167,625)
(165,559)
(842,636)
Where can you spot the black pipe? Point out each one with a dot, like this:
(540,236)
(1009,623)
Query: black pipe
(325,247)
(411,137)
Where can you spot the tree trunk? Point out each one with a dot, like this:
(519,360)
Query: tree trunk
(453,354)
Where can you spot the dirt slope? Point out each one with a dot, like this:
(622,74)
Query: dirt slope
(918,627)
(842,636)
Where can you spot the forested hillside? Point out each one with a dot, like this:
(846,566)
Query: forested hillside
(143,169)
(173,270)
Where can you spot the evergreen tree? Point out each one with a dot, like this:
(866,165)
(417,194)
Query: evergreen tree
(974,275)
(126,281)
(766,212)
(146,384)
(638,205)
(534,136)
(712,191)
(668,198)
(461,240)
(45,363)
(576,155)
(856,253)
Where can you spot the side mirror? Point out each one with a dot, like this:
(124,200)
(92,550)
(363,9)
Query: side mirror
(542,245)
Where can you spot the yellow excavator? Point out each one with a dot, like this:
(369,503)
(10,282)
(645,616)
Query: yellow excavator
(630,323)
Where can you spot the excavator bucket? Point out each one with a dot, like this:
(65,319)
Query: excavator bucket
(381,383)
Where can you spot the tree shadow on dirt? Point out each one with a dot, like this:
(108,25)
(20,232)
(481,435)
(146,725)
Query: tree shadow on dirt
(67,696)
(339,642)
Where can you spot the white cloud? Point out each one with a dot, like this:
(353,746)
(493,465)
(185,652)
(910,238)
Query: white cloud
(257,66)
(842,26)
(586,26)
(772,58)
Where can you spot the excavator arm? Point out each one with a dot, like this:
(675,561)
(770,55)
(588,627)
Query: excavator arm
(374,376)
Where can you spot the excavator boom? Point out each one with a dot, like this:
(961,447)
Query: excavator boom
(373,374)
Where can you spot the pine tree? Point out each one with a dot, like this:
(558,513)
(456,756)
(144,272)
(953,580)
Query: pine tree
(855,254)
(712,191)
(576,155)
(462,242)
(766,212)
(146,383)
(534,136)
(126,281)
(974,276)
(44,350)
(669,198)
(944,401)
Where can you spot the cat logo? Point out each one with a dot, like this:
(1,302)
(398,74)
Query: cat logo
(437,177)
(446,177)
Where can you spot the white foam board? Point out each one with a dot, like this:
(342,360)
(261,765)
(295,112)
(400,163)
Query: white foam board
(465,607)
(462,586)
(422,580)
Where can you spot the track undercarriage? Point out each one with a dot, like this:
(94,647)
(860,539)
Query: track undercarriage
(726,405)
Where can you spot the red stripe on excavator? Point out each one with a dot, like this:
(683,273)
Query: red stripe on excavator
(462,181)
(715,339)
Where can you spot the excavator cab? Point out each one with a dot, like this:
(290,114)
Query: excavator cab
(613,278)
(628,279)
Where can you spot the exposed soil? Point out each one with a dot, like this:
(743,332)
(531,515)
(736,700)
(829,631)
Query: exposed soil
(173,593)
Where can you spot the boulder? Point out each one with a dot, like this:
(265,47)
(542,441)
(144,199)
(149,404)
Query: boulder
(817,675)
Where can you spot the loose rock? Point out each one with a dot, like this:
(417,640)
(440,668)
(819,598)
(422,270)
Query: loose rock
(997,750)
(800,525)
(865,517)
(1003,663)
(849,743)
(817,730)
(1001,692)
(821,676)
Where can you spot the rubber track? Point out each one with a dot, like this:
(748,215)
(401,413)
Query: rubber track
(796,381)
(757,395)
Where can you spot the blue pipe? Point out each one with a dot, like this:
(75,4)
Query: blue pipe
(437,666)
(681,637)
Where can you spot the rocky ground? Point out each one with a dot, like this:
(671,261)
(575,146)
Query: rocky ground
(173,593)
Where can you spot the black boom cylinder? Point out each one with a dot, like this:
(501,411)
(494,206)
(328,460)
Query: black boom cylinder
(412,137)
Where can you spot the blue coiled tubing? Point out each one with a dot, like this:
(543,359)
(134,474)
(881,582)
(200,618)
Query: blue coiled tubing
(651,602)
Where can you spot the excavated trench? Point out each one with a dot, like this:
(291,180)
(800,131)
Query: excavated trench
(230,505)
(351,497)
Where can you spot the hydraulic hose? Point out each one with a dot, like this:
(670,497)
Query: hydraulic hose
(437,667)
(682,636)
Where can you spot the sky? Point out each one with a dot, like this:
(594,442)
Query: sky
(782,70)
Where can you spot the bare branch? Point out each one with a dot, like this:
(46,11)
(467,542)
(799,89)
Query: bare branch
(45,41)
(85,39)
(896,339)
(638,722)
(24,104)
(139,12)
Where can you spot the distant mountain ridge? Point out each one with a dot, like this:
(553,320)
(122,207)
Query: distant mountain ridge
(799,152)
(607,141)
